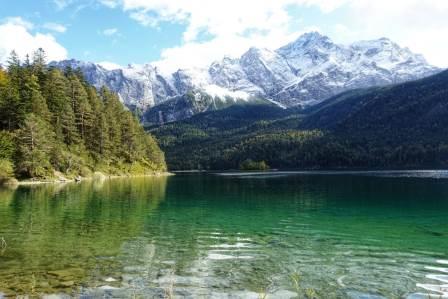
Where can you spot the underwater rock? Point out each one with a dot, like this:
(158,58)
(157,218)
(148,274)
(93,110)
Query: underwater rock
(56,296)
(107,287)
(67,273)
(361,295)
(66,284)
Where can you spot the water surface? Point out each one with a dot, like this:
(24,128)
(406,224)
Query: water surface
(286,234)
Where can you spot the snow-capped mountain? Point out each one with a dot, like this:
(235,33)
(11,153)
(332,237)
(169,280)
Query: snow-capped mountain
(304,72)
(137,85)
(313,68)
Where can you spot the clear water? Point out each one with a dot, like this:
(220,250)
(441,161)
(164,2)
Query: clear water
(231,235)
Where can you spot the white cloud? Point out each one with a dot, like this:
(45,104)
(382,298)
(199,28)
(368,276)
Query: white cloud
(110,65)
(201,54)
(341,29)
(220,18)
(18,21)
(55,27)
(234,25)
(110,31)
(109,3)
(16,36)
(61,4)
(419,24)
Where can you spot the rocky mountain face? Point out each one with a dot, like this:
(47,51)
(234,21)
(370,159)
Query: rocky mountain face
(313,68)
(302,73)
(137,86)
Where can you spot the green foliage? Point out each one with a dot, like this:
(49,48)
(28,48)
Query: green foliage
(6,145)
(54,121)
(34,145)
(402,126)
(191,103)
(6,169)
(253,165)
(412,113)
(225,139)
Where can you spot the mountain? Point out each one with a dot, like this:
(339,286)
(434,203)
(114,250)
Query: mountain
(191,103)
(137,86)
(313,68)
(396,114)
(395,126)
(302,73)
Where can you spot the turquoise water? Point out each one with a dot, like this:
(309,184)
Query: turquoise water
(231,235)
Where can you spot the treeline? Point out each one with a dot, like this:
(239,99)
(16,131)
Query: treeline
(53,120)
(228,139)
(293,149)
(250,165)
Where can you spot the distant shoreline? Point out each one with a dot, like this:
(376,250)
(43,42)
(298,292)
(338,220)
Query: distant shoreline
(97,176)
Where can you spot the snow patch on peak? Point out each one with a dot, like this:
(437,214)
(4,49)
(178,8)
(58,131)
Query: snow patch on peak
(220,92)
(110,66)
(307,41)
(304,72)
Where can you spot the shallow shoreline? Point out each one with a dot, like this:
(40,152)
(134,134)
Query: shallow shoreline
(30,182)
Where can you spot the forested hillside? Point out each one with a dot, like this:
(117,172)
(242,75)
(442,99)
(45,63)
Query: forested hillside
(52,120)
(411,112)
(398,126)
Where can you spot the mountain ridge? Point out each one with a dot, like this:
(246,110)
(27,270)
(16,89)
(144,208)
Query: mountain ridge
(303,73)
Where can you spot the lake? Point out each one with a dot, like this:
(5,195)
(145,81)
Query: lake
(229,235)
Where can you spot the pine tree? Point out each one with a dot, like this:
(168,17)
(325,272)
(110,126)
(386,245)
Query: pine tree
(18,102)
(29,92)
(112,114)
(56,121)
(93,136)
(80,105)
(39,106)
(6,145)
(129,138)
(14,68)
(68,125)
(11,112)
(55,91)
(34,145)
(105,143)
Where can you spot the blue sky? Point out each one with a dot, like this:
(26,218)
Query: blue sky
(187,33)
(85,23)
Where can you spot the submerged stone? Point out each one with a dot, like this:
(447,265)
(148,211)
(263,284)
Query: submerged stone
(108,287)
(56,296)
(67,284)
(67,273)
(361,295)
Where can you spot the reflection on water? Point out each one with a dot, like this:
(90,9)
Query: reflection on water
(435,174)
(60,236)
(349,235)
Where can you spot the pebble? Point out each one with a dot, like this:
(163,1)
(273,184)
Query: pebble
(107,287)
(56,296)
(66,284)
(67,272)
(360,295)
